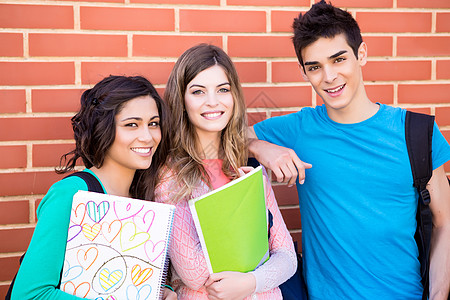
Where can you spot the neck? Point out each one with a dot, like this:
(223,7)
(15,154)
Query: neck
(116,181)
(209,144)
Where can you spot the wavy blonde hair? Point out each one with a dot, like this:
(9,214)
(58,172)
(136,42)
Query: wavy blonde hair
(184,159)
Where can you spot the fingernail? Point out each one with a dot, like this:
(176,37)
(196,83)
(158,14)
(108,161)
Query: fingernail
(302,182)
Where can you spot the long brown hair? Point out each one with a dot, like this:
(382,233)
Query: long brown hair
(184,158)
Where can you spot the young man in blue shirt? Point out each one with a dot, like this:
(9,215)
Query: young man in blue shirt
(358,203)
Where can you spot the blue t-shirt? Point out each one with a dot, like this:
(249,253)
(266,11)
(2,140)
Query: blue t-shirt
(358,203)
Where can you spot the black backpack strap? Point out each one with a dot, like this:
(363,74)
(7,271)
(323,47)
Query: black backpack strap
(418,134)
(93,184)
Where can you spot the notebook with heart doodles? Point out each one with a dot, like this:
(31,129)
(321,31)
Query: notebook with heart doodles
(116,247)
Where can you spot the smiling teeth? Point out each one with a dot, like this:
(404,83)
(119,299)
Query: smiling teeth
(141,150)
(335,90)
(212,115)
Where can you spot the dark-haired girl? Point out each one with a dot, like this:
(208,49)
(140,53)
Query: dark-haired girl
(120,135)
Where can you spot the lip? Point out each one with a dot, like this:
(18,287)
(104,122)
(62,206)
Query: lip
(142,151)
(212,115)
(336,91)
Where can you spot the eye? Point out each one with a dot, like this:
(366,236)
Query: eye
(224,90)
(339,59)
(313,68)
(153,124)
(197,92)
(131,125)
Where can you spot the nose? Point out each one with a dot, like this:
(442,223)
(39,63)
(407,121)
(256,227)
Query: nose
(145,135)
(211,99)
(329,74)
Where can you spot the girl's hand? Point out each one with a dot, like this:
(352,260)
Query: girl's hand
(169,294)
(230,285)
(244,170)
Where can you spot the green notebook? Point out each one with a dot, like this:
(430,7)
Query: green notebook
(231,222)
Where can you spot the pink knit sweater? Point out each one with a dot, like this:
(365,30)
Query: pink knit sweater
(189,270)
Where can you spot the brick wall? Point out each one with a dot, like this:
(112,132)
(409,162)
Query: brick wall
(52,50)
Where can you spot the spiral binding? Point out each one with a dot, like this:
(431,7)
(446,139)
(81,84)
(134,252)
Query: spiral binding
(165,269)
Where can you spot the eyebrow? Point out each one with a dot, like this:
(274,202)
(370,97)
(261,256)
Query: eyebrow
(201,86)
(138,118)
(337,54)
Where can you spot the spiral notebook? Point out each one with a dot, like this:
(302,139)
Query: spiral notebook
(231,223)
(116,247)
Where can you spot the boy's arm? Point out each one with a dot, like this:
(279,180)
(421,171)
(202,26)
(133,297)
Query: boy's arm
(440,241)
(283,162)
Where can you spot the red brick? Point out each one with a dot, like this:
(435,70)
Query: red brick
(48,155)
(281,113)
(46,44)
(126,18)
(443,116)
(380,93)
(273,97)
(260,46)
(394,21)
(281,21)
(421,110)
(12,101)
(286,195)
(443,69)
(291,217)
(379,45)
(190,2)
(36,16)
(255,117)
(13,157)
(423,3)
(169,45)
(14,212)
(269,2)
(36,73)
(11,44)
(286,72)
(26,183)
(9,268)
(447,164)
(156,72)
(45,128)
(222,21)
(363,3)
(111,1)
(18,239)
(60,100)
(423,46)
(397,70)
(442,22)
(251,71)
(423,93)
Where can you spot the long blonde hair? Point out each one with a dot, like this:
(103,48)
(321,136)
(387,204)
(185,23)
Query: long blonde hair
(184,159)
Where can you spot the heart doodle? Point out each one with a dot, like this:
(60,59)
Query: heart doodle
(138,277)
(78,214)
(74,230)
(91,232)
(142,293)
(126,210)
(109,279)
(145,222)
(97,212)
(87,258)
(71,273)
(80,290)
(111,230)
(130,238)
(154,251)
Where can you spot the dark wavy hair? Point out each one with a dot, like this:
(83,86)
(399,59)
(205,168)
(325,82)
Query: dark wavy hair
(324,20)
(95,129)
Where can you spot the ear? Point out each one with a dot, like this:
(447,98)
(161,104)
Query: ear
(362,54)
(302,70)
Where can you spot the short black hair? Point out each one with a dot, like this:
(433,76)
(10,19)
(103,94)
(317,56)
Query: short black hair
(324,20)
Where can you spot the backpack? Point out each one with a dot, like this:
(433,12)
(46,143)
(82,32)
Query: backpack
(93,186)
(418,135)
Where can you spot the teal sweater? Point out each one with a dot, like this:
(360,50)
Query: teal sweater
(40,271)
